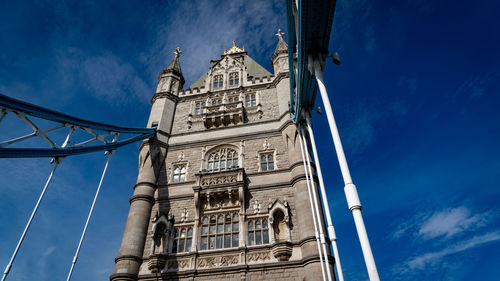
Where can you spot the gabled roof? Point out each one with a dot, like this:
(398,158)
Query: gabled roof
(253,68)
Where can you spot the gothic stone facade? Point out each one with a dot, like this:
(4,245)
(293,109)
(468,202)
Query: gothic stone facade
(221,192)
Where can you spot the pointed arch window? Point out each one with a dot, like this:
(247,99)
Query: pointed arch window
(233,79)
(258,232)
(266,162)
(250,100)
(183,239)
(222,160)
(179,173)
(218,81)
(219,231)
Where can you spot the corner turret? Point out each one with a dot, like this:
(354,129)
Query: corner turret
(170,83)
(280,56)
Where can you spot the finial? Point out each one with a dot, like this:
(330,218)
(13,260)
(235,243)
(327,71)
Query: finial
(177,52)
(280,33)
(234,49)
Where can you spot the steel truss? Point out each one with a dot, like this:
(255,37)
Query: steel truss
(106,140)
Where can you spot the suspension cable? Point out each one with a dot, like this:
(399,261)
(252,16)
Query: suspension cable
(316,233)
(315,201)
(56,162)
(331,228)
(75,258)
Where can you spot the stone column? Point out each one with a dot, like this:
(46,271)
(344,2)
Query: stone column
(132,248)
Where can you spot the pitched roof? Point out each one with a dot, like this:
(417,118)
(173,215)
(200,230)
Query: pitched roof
(253,68)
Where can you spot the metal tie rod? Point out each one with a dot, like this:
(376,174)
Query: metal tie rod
(313,211)
(331,229)
(350,190)
(75,258)
(56,161)
(9,266)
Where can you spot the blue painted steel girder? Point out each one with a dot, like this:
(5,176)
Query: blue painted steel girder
(47,114)
(309,26)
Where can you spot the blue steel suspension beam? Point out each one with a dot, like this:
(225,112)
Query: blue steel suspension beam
(8,104)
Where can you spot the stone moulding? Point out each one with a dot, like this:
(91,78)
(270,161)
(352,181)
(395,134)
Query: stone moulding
(282,250)
(157,262)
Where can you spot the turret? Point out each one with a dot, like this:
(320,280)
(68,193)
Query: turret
(280,65)
(280,56)
(170,83)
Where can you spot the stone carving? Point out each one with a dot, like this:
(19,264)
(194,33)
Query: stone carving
(181,156)
(265,144)
(258,256)
(178,264)
(184,215)
(157,262)
(219,261)
(219,200)
(218,180)
(256,207)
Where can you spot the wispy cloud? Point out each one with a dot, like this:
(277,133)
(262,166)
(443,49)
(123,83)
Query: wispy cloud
(422,261)
(450,222)
(447,231)
(204,37)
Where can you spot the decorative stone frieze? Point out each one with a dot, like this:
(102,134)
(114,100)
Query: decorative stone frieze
(258,256)
(178,264)
(218,261)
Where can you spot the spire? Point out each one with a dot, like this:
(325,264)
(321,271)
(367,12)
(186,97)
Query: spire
(174,66)
(282,47)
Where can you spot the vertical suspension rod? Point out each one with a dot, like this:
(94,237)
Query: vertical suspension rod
(75,258)
(56,162)
(350,190)
(316,206)
(316,233)
(331,229)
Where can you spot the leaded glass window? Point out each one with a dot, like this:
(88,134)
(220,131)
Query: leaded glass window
(233,79)
(183,240)
(219,231)
(179,173)
(250,100)
(222,160)
(218,81)
(258,232)
(266,162)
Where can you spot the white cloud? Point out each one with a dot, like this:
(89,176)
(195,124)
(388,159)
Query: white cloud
(422,261)
(211,28)
(445,224)
(450,222)
(441,233)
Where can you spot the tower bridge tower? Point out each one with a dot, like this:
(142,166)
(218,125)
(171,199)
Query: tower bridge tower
(221,192)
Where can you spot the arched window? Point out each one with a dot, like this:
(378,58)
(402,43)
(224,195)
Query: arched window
(197,108)
(218,81)
(179,173)
(233,79)
(258,232)
(250,100)
(183,239)
(266,162)
(222,160)
(219,231)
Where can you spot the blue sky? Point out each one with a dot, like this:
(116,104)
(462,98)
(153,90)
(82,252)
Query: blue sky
(416,100)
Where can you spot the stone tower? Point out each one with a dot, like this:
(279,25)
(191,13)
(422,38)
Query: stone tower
(221,192)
